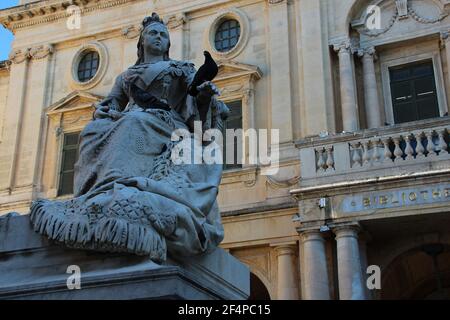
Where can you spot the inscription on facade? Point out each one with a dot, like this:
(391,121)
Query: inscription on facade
(397,198)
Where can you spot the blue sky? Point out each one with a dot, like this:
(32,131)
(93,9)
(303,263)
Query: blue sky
(5,36)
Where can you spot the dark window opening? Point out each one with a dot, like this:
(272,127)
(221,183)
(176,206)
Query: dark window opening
(413,89)
(227,35)
(234,121)
(258,290)
(69,158)
(88,66)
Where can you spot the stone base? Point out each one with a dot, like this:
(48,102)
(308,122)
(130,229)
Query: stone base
(33,268)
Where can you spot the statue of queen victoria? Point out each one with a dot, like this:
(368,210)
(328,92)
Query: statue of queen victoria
(129,195)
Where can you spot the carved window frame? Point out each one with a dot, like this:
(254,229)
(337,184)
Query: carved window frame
(240,86)
(58,126)
(102,65)
(210,33)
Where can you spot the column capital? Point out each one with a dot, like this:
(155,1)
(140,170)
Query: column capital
(347,230)
(131,31)
(19,55)
(344,46)
(176,21)
(310,234)
(41,52)
(368,52)
(445,38)
(287,248)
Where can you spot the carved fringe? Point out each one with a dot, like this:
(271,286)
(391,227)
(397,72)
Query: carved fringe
(108,234)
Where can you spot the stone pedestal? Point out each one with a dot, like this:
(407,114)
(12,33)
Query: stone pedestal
(33,268)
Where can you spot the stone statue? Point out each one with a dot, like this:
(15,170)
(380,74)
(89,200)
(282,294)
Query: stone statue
(129,196)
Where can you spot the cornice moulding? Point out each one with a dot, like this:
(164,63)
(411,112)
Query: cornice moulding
(50,10)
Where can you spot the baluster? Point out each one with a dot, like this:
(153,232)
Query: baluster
(387,151)
(398,153)
(321,160)
(365,156)
(330,159)
(376,156)
(409,151)
(442,145)
(356,157)
(420,150)
(430,144)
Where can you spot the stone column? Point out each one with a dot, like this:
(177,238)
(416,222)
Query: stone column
(287,287)
(281,102)
(445,42)
(43,64)
(15,106)
(315,283)
(364,264)
(175,24)
(351,280)
(348,89)
(371,98)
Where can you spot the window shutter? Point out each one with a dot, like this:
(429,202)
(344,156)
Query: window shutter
(69,158)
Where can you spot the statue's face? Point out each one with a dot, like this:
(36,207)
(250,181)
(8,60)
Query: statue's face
(156,39)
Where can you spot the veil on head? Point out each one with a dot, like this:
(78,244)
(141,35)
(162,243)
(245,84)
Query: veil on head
(154,18)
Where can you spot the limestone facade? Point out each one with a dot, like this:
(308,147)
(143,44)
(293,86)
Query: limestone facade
(354,189)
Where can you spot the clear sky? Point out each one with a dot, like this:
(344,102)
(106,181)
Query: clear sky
(5,36)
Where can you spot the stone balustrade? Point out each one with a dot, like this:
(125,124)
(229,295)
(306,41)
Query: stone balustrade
(399,147)
(391,150)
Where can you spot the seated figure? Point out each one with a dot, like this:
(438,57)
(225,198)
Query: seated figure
(129,195)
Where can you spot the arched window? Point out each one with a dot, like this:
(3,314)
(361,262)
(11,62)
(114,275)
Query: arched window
(88,66)
(227,35)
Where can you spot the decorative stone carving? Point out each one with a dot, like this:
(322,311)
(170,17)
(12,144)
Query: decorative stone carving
(344,46)
(402,8)
(41,52)
(19,55)
(5,64)
(425,20)
(280,184)
(176,21)
(369,51)
(232,89)
(445,37)
(131,32)
(39,12)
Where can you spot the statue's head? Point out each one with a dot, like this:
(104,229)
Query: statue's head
(154,38)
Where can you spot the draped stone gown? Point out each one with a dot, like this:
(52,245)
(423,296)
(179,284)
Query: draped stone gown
(129,195)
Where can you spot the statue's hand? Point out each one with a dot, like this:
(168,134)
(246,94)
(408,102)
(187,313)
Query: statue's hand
(102,112)
(206,91)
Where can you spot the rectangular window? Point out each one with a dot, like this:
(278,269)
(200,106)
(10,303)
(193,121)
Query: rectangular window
(234,121)
(69,158)
(413,89)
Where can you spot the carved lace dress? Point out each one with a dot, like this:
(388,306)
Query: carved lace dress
(129,195)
